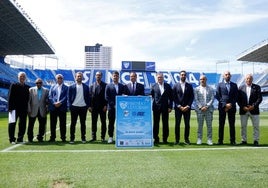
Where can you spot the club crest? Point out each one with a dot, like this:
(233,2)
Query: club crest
(123,105)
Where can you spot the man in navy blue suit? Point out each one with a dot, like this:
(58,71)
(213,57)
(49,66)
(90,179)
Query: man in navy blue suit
(183,95)
(98,106)
(249,99)
(134,88)
(226,94)
(79,102)
(58,108)
(111,91)
(161,93)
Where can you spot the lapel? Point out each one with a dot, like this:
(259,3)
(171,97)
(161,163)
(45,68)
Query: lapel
(252,91)
(158,89)
(96,88)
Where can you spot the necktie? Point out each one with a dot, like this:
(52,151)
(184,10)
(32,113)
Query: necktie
(228,86)
(133,88)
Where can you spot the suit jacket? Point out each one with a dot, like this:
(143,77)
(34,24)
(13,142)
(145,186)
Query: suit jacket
(183,99)
(224,97)
(255,98)
(110,94)
(97,94)
(53,97)
(163,101)
(35,105)
(200,99)
(18,97)
(139,90)
(72,94)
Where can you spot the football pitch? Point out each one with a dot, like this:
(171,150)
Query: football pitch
(166,165)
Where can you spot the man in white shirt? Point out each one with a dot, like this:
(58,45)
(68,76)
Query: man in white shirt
(249,99)
(79,102)
(58,108)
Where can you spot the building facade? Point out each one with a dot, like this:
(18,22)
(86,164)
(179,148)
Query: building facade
(98,57)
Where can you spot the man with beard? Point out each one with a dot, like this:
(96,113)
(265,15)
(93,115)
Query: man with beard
(183,95)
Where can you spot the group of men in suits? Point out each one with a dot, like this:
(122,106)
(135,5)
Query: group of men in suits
(24,100)
(116,88)
(100,97)
(247,96)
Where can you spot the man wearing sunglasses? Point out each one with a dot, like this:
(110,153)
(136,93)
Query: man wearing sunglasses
(37,108)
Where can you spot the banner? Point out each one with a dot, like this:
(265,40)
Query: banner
(134,121)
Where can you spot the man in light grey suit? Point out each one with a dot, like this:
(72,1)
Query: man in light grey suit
(37,108)
(204,97)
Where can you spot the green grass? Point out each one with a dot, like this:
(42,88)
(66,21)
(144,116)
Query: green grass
(103,165)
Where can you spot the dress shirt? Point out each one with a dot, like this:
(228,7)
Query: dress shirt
(59,92)
(248,92)
(182,86)
(161,87)
(116,87)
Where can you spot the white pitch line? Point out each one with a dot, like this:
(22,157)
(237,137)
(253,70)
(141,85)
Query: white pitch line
(131,150)
(11,147)
(20,144)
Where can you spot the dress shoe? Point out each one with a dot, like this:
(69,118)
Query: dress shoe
(51,140)
(19,141)
(256,143)
(176,142)
(220,143)
(243,143)
(187,142)
(233,143)
(103,140)
(165,142)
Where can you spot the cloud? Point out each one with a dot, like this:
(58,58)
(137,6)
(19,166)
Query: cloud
(138,30)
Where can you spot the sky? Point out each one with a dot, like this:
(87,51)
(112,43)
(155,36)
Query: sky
(194,35)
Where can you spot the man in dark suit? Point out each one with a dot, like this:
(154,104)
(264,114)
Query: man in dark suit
(133,87)
(18,97)
(249,99)
(79,102)
(98,106)
(162,105)
(183,95)
(111,91)
(58,94)
(37,108)
(226,94)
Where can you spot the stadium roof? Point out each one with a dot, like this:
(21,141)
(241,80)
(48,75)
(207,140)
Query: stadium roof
(257,53)
(18,33)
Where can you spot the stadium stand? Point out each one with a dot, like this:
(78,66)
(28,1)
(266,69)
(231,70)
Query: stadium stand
(20,36)
(47,76)
(31,76)
(67,74)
